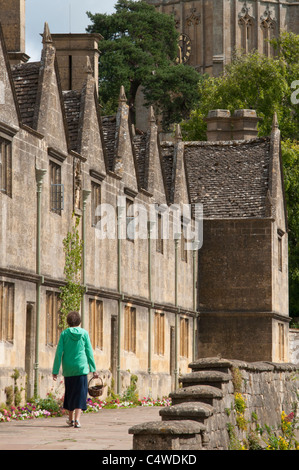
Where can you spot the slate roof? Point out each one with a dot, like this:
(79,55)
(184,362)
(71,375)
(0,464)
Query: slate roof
(140,143)
(72,105)
(230,179)
(109,132)
(167,153)
(25,77)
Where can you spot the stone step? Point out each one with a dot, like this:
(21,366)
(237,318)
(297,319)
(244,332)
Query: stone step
(215,363)
(169,435)
(203,393)
(189,410)
(206,377)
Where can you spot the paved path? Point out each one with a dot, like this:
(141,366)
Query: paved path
(105,430)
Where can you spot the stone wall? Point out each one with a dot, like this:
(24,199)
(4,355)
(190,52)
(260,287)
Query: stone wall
(203,411)
(294,345)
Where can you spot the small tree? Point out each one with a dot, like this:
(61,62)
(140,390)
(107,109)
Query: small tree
(139,49)
(71,294)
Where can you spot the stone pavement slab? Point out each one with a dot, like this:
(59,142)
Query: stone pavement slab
(105,430)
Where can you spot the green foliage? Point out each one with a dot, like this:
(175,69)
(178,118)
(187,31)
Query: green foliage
(13,393)
(290,156)
(9,395)
(132,56)
(265,437)
(234,443)
(251,81)
(237,379)
(131,393)
(240,404)
(49,404)
(71,294)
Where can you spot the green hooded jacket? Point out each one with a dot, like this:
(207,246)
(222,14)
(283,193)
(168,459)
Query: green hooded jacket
(74,350)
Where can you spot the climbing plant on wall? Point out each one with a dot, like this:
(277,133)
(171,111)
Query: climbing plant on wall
(71,294)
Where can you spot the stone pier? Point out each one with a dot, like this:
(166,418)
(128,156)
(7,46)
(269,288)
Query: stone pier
(204,407)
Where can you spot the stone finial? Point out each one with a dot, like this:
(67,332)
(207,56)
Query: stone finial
(152,117)
(178,133)
(47,38)
(88,67)
(122,95)
(275,122)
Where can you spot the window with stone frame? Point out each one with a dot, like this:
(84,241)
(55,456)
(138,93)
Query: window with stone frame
(95,202)
(130,217)
(130,329)
(53,330)
(56,188)
(159,241)
(6,167)
(279,239)
(268,26)
(184,337)
(96,323)
(6,311)
(159,336)
(184,252)
(281,349)
(246,23)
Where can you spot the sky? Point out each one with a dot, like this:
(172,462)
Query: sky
(63,16)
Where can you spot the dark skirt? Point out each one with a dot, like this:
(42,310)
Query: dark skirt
(76,389)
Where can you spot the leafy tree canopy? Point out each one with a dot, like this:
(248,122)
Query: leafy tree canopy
(139,48)
(250,81)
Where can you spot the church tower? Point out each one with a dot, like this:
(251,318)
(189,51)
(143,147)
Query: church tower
(212,30)
(12,19)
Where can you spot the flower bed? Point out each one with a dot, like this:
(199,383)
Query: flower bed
(52,407)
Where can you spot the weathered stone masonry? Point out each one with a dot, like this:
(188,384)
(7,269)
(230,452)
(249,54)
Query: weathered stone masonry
(215,301)
(203,408)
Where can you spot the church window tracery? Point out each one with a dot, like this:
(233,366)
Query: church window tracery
(246,23)
(268,25)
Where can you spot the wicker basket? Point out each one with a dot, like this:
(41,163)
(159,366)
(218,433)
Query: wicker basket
(95,390)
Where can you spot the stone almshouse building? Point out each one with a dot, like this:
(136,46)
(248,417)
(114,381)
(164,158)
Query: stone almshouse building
(150,305)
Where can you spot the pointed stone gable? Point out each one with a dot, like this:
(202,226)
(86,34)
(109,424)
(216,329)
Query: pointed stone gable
(276,193)
(173,157)
(149,160)
(155,179)
(90,143)
(9,112)
(124,164)
(180,186)
(50,118)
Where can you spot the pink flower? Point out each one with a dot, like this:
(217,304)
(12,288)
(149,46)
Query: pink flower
(290,417)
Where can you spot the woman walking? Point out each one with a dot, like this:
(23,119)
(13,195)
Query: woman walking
(74,351)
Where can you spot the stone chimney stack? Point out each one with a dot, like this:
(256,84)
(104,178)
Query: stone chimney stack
(221,126)
(12,19)
(245,124)
(71,53)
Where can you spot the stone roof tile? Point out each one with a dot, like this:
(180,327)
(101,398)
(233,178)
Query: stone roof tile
(25,77)
(140,144)
(72,104)
(230,179)
(109,135)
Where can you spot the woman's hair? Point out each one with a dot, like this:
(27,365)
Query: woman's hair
(73,319)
